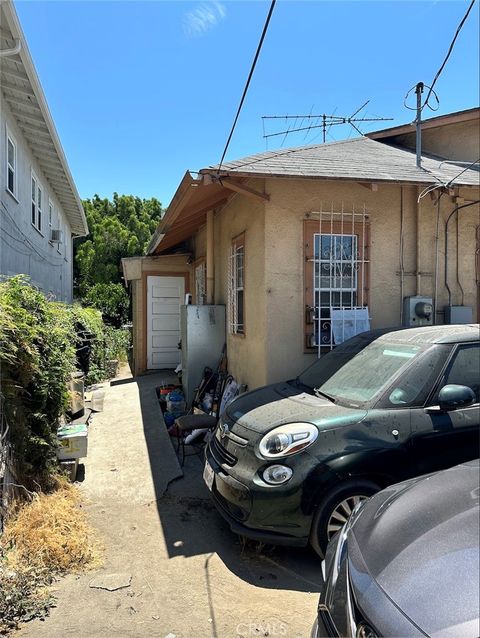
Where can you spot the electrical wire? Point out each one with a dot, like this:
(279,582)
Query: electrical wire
(27,242)
(252,69)
(430,189)
(450,49)
(414,108)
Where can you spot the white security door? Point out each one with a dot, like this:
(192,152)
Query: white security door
(165,295)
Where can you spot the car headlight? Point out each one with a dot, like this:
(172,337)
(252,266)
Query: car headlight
(287,439)
(277,474)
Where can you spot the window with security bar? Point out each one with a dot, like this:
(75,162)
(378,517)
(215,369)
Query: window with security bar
(236,287)
(336,278)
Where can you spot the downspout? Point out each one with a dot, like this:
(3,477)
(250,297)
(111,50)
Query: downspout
(210,258)
(435,283)
(13,51)
(402,269)
(417,250)
(455,210)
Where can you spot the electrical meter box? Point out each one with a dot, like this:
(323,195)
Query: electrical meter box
(417,311)
(458,314)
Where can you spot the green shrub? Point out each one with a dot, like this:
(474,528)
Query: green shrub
(38,353)
(37,356)
(112,300)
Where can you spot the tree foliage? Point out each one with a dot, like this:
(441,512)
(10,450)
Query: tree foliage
(119,228)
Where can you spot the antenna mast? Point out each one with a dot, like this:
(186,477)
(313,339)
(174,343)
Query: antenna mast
(326,122)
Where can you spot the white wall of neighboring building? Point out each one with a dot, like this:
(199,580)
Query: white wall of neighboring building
(23,248)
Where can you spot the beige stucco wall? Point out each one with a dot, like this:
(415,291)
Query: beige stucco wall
(163,264)
(459,141)
(291,202)
(246,354)
(273,347)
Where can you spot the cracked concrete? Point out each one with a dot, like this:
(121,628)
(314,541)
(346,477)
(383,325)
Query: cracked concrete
(190,576)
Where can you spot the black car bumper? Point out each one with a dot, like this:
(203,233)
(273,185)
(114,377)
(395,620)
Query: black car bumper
(239,504)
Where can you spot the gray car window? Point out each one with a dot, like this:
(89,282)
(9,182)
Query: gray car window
(411,389)
(465,369)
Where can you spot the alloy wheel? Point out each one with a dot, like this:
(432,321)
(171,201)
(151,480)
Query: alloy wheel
(341,514)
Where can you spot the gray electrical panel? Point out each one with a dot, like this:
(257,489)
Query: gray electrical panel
(417,311)
(458,314)
(203,337)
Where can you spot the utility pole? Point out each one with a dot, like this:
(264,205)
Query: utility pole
(418,122)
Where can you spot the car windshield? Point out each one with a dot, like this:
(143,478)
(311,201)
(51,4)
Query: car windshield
(369,371)
(329,363)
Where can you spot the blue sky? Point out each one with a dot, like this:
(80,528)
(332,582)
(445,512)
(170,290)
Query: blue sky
(142,91)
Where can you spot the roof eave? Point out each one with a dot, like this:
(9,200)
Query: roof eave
(167,220)
(81,229)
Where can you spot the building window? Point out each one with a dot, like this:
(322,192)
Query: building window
(37,203)
(11,165)
(200,282)
(50,213)
(336,279)
(236,305)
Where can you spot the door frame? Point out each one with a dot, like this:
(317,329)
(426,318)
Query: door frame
(156,273)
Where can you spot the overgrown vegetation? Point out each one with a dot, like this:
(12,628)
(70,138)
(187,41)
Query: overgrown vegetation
(38,352)
(37,356)
(49,536)
(119,228)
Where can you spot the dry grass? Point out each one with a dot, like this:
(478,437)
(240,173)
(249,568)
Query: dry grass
(48,536)
(52,532)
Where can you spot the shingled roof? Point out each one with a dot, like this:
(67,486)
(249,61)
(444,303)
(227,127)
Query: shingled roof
(360,159)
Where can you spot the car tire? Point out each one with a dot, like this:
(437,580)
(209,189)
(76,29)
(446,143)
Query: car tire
(334,507)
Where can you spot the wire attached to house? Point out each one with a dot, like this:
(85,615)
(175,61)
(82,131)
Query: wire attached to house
(252,69)
(430,189)
(450,49)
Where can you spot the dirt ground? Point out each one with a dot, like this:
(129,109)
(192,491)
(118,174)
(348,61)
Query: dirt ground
(183,573)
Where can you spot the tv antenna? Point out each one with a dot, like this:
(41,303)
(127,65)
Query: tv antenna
(326,121)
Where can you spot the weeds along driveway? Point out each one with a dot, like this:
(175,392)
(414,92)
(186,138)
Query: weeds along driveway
(182,572)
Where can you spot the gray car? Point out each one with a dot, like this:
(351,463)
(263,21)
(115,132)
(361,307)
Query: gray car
(407,562)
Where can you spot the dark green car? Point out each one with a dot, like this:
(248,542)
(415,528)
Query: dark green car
(288,462)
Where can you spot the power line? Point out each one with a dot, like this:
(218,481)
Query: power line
(252,69)
(450,49)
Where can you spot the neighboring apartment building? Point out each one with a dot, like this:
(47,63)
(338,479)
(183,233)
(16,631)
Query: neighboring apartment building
(40,209)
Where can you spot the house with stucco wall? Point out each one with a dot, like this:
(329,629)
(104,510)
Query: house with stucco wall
(307,245)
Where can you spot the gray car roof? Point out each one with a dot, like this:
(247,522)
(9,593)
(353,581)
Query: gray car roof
(434,334)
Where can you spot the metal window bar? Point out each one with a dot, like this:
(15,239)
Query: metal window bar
(340,255)
(235,288)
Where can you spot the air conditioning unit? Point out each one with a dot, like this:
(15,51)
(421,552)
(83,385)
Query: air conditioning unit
(56,236)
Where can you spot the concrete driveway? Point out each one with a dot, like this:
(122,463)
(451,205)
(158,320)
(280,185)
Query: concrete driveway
(183,573)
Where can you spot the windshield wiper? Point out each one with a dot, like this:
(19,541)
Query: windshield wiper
(320,394)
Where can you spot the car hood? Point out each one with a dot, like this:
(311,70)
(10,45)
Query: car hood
(419,541)
(272,405)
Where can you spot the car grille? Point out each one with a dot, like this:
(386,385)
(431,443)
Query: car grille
(221,455)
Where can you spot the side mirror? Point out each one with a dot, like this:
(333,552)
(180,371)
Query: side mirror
(452,397)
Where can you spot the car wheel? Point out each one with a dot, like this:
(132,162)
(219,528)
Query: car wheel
(335,510)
